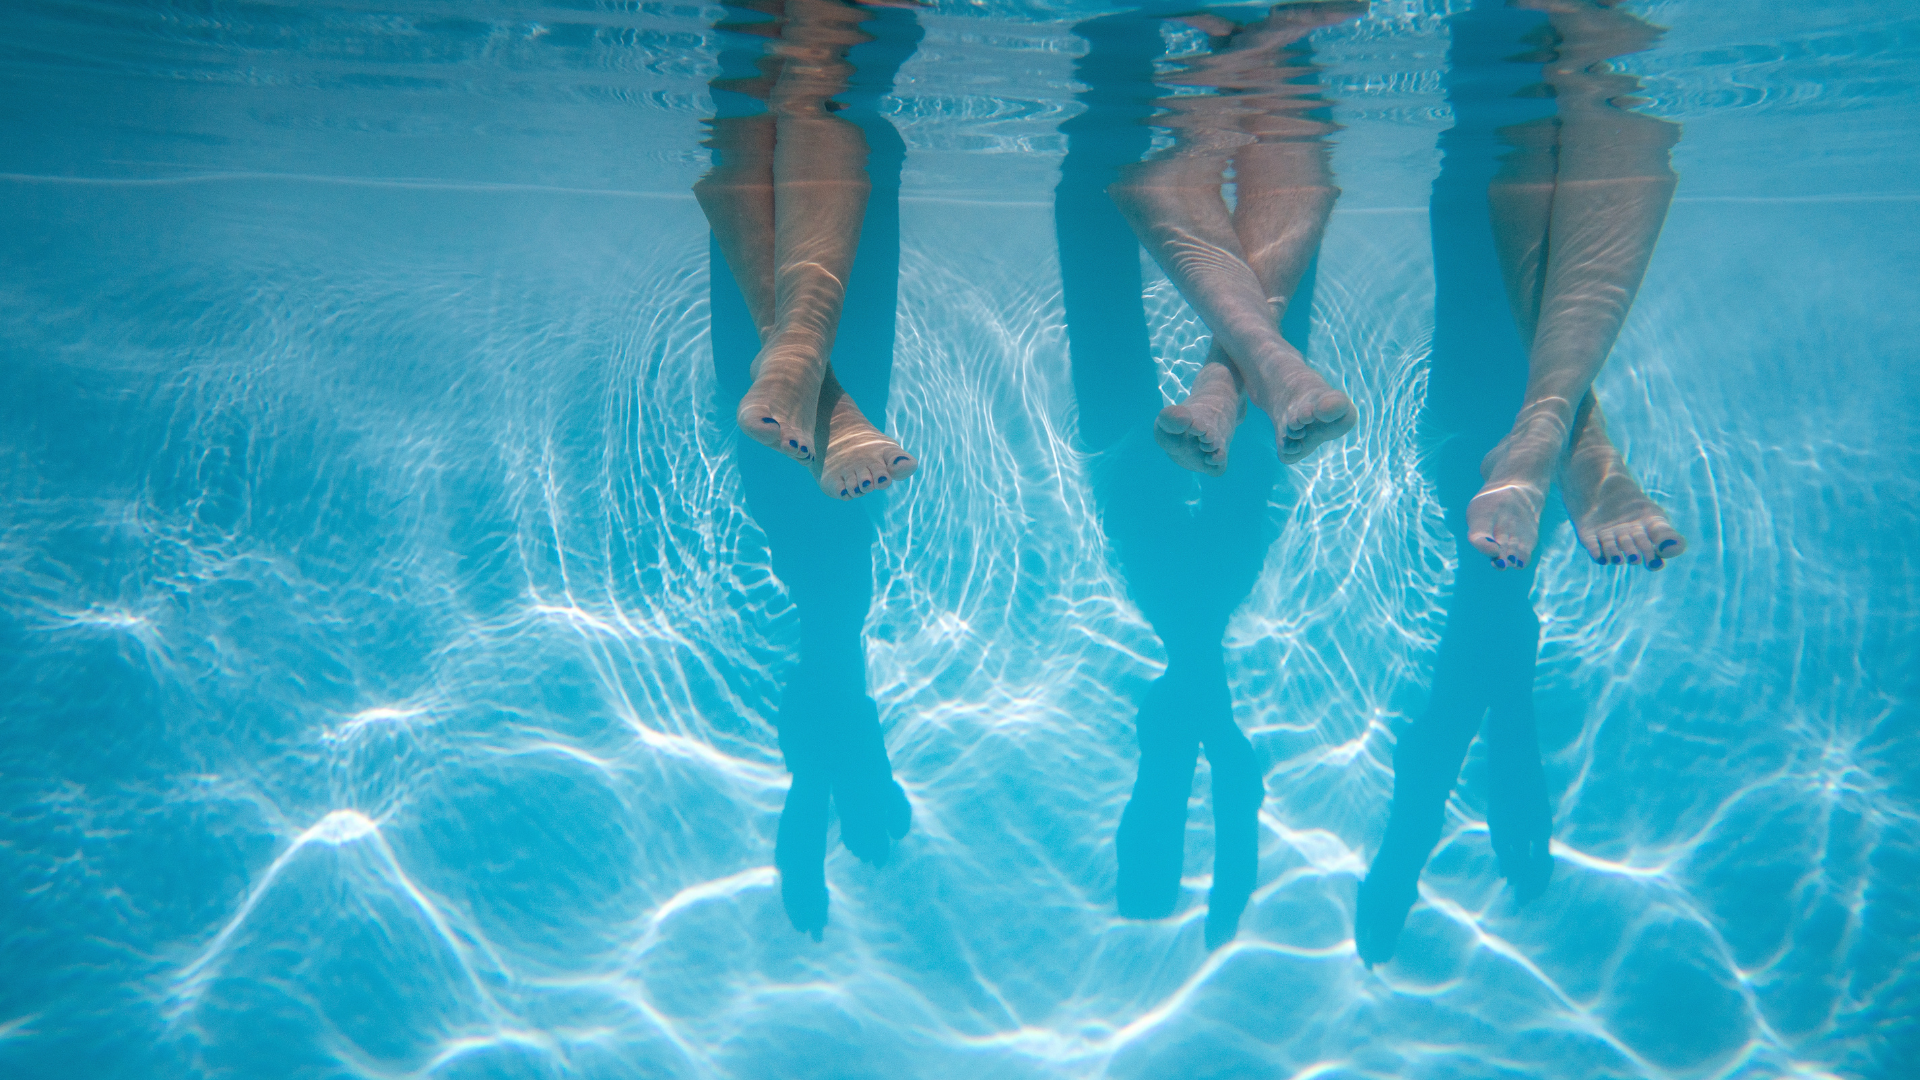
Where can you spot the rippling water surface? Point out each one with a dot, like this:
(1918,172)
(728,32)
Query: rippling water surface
(390,657)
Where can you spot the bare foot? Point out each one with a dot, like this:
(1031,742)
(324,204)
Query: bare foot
(1503,520)
(1196,432)
(1305,410)
(860,459)
(780,408)
(1615,520)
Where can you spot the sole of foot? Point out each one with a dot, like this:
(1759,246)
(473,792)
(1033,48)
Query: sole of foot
(1616,522)
(1197,432)
(782,406)
(1313,414)
(1503,520)
(863,462)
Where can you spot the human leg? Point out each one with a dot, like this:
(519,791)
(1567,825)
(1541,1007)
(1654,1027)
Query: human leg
(739,198)
(1175,207)
(1611,188)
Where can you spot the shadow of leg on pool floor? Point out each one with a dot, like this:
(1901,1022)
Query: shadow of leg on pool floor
(821,549)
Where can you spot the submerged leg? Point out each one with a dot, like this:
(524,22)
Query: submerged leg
(742,198)
(1615,520)
(1611,189)
(1284,192)
(1175,206)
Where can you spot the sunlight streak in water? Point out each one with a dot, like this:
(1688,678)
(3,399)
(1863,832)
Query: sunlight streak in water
(395,659)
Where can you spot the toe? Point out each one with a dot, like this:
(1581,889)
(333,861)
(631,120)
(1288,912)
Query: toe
(1610,547)
(1515,552)
(1591,542)
(1634,537)
(1331,406)
(1667,543)
(761,425)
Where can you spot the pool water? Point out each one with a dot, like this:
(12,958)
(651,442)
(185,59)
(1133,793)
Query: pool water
(394,631)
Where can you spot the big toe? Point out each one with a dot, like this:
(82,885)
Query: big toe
(767,428)
(1332,406)
(1667,541)
(1175,420)
(760,424)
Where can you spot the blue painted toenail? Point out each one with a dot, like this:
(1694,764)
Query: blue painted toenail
(843,491)
(1655,564)
(768,420)
(899,459)
(1517,561)
(793,442)
(866,483)
(1633,558)
(1499,564)
(1615,560)
(882,480)
(1665,544)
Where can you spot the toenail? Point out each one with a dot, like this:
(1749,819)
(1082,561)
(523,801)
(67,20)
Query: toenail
(768,420)
(866,483)
(1499,564)
(882,480)
(899,459)
(843,491)
(1665,544)
(1615,560)
(1633,558)
(1655,564)
(1519,561)
(793,442)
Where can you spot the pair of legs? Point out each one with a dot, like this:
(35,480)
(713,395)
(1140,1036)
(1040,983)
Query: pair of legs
(785,199)
(1240,267)
(1576,210)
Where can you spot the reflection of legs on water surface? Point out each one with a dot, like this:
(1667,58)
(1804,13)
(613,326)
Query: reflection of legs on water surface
(785,200)
(1577,208)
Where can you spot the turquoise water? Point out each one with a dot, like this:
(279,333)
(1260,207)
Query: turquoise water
(394,632)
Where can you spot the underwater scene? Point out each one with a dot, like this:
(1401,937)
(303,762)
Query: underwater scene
(973,539)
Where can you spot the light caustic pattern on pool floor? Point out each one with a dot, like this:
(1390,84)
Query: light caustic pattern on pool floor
(391,662)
